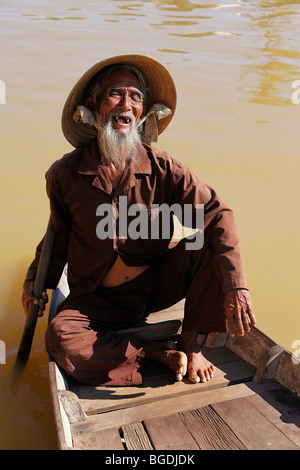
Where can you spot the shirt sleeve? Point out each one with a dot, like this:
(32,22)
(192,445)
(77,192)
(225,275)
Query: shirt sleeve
(61,223)
(220,228)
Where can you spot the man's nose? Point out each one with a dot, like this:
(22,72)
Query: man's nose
(126,102)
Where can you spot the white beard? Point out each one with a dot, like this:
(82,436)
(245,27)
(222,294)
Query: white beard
(118,148)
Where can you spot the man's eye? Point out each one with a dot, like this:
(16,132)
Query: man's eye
(114,94)
(136,97)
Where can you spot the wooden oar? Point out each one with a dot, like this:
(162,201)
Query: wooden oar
(38,286)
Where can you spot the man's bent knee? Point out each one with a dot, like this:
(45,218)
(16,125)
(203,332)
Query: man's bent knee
(63,334)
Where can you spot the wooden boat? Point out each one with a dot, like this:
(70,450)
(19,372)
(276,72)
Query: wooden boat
(252,402)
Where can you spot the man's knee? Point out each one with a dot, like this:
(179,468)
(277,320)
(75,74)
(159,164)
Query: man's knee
(62,332)
(56,328)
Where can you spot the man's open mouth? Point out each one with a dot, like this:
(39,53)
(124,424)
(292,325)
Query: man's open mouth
(120,119)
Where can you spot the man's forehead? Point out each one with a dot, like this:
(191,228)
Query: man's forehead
(121,78)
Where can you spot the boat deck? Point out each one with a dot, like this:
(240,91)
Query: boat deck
(246,405)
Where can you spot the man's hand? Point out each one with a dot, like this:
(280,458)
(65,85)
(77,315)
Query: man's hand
(28,298)
(239,311)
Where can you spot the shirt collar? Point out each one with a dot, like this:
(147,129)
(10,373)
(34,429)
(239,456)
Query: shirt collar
(90,164)
(90,161)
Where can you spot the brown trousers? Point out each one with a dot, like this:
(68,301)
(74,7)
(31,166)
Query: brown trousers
(82,338)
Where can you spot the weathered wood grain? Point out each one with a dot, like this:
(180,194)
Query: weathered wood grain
(209,430)
(135,437)
(109,439)
(252,428)
(169,433)
(167,406)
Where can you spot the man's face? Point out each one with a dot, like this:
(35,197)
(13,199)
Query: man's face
(121,101)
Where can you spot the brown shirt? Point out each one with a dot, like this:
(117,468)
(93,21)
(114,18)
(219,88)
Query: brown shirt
(77,186)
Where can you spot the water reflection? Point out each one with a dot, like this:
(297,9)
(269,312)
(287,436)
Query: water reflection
(271,3)
(172,23)
(202,35)
(171,5)
(233,64)
(182,5)
(268,60)
(33,16)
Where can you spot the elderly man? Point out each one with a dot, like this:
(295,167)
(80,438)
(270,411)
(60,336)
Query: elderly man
(117,277)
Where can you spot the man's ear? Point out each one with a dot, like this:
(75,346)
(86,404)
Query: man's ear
(89,102)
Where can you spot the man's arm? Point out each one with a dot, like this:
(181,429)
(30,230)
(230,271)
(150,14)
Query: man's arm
(61,222)
(221,234)
(220,228)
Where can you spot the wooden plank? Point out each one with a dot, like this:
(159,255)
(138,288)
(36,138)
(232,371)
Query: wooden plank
(250,347)
(71,405)
(109,439)
(172,313)
(251,427)
(169,433)
(268,362)
(112,398)
(158,325)
(102,399)
(151,332)
(168,406)
(282,408)
(63,430)
(288,372)
(209,430)
(135,437)
(255,346)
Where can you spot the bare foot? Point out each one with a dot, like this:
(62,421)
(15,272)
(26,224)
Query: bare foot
(168,354)
(199,368)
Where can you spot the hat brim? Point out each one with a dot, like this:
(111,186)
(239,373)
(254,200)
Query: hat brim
(159,86)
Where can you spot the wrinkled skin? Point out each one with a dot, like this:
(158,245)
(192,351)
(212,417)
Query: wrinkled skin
(239,312)
(28,298)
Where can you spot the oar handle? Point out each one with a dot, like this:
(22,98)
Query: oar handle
(38,286)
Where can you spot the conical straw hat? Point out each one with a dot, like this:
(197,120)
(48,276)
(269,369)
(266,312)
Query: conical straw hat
(159,84)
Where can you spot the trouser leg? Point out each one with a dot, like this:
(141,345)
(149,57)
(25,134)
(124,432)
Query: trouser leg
(90,356)
(190,274)
(82,337)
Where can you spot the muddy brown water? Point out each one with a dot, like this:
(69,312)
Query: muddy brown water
(236,125)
